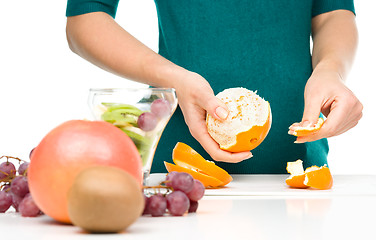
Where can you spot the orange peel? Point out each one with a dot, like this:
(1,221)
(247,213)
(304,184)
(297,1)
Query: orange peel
(186,159)
(318,177)
(297,176)
(300,131)
(314,176)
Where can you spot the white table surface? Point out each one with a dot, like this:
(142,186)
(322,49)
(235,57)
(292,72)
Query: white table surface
(251,207)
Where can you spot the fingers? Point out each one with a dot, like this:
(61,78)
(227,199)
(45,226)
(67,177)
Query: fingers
(214,107)
(344,114)
(197,127)
(312,109)
(200,133)
(212,148)
(195,103)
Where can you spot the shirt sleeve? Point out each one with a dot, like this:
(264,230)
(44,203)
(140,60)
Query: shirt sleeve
(78,7)
(323,6)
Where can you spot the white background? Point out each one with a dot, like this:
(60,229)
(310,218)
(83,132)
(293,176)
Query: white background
(42,83)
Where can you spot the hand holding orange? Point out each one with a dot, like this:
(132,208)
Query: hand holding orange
(247,124)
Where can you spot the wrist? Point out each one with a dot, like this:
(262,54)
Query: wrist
(329,66)
(161,72)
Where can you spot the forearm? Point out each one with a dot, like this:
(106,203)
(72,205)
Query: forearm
(335,40)
(100,40)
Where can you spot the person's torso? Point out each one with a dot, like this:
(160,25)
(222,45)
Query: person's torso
(262,45)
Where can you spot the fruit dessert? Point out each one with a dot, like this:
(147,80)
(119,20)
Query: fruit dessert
(143,127)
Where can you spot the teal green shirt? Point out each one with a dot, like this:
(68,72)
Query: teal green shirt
(261,45)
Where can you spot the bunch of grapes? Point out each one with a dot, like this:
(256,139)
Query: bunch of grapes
(14,188)
(183,196)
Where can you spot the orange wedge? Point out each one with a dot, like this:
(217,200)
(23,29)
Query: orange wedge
(300,131)
(188,160)
(315,177)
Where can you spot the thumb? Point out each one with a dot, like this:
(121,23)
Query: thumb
(312,109)
(215,107)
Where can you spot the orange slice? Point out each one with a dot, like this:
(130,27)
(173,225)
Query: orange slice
(315,177)
(188,160)
(299,131)
(247,124)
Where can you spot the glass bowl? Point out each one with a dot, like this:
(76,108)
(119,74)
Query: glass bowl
(141,113)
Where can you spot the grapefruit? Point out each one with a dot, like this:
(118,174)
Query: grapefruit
(70,148)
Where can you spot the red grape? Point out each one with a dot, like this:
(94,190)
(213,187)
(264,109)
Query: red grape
(169,177)
(157,205)
(182,181)
(7,169)
(16,201)
(146,208)
(22,168)
(160,107)
(177,203)
(19,186)
(28,208)
(197,191)
(5,201)
(193,205)
(147,121)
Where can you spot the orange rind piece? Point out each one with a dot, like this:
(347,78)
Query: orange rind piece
(297,176)
(206,180)
(318,177)
(315,177)
(186,159)
(300,131)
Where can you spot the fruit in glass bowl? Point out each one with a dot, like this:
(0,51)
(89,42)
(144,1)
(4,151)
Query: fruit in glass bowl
(141,113)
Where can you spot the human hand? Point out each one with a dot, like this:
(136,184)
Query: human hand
(325,92)
(196,98)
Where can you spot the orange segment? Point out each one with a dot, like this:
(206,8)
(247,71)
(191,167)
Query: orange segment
(299,131)
(185,156)
(319,178)
(206,180)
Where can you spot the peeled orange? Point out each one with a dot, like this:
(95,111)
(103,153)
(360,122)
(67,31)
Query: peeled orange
(315,177)
(300,131)
(190,161)
(247,124)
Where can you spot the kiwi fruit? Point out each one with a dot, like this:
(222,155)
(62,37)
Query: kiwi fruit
(104,199)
